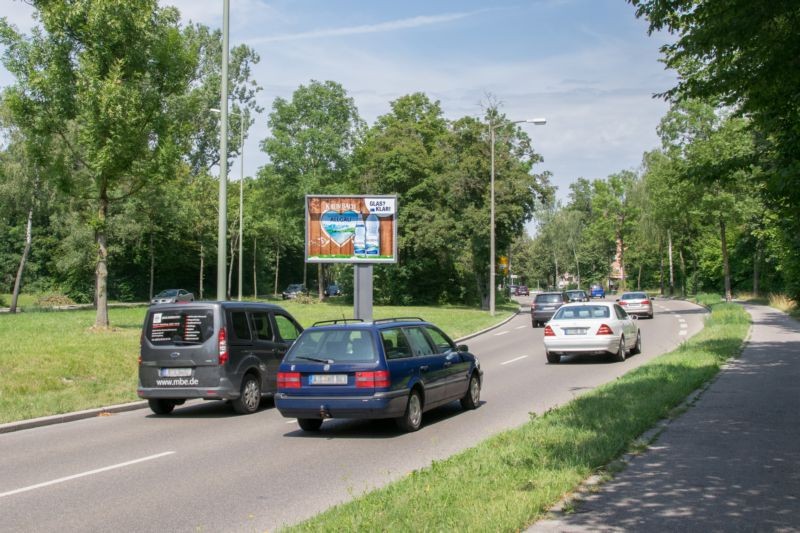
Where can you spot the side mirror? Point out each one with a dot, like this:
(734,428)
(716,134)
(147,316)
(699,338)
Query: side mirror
(617,300)
(463,348)
(635,317)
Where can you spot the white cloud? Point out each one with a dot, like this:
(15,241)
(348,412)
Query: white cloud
(394,25)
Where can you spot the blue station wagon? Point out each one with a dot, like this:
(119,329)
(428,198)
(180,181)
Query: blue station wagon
(389,368)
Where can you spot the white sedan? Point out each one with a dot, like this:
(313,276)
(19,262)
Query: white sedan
(592,328)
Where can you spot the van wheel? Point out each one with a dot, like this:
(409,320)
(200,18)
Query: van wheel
(309,424)
(250,397)
(161,407)
(472,398)
(412,419)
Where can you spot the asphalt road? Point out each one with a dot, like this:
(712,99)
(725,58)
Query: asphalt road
(205,469)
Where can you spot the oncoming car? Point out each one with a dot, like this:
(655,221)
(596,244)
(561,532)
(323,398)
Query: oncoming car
(597,291)
(592,328)
(390,368)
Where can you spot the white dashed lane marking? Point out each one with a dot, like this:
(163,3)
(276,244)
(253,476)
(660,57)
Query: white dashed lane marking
(84,474)
(502,333)
(513,360)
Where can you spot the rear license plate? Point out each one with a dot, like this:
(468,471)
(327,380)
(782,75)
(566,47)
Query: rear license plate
(327,379)
(575,331)
(174,372)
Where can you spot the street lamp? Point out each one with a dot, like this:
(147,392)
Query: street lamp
(222,227)
(492,127)
(243,119)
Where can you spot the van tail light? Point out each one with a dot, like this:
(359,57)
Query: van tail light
(223,346)
(377,379)
(548,332)
(533,306)
(288,380)
(604,330)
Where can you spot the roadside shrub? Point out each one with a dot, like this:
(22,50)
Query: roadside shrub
(53,300)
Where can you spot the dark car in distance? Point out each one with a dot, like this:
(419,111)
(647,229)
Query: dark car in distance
(545,305)
(522,290)
(332,289)
(389,368)
(577,295)
(214,351)
(294,290)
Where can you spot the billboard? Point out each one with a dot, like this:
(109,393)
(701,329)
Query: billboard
(351,229)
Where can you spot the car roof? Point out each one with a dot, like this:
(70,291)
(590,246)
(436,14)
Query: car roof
(381,323)
(584,304)
(226,305)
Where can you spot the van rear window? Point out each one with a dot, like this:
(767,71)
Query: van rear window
(182,326)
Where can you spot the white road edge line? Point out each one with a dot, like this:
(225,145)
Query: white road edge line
(682,332)
(84,474)
(515,359)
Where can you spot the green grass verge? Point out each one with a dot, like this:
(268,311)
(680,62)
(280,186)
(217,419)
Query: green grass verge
(510,480)
(53,362)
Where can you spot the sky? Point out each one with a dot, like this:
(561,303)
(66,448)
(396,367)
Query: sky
(587,66)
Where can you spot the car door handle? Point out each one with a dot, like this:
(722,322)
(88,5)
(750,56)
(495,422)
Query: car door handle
(447,363)
(424,368)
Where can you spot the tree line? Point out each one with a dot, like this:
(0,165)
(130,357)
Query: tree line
(110,141)
(109,147)
(716,206)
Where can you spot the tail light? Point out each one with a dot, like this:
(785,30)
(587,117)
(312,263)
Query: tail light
(223,346)
(645,302)
(623,302)
(377,379)
(288,380)
(548,332)
(604,330)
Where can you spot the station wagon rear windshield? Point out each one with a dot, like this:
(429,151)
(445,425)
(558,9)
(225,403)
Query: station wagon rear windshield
(180,327)
(549,298)
(333,346)
(582,312)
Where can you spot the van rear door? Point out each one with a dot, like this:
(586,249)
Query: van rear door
(179,347)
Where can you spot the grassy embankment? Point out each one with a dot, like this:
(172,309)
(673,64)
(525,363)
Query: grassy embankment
(510,480)
(52,362)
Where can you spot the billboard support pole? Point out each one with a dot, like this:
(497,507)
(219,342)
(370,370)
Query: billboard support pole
(362,291)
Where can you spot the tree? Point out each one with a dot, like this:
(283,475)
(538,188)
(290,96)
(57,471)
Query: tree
(745,54)
(313,137)
(101,75)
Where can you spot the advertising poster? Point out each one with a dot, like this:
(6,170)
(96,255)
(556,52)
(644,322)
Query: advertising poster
(351,229)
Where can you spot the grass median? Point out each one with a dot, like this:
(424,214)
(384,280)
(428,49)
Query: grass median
(52,362)
(510,480)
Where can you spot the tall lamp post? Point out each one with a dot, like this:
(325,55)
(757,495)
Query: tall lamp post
(492,283)
(222,227)
(243,119)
